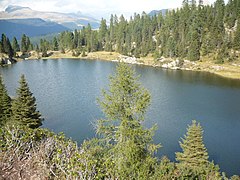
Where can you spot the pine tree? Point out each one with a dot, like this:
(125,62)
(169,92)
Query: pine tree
(6,46)
(218,24)
(236,42)
(194,151)
(102,33)
(9,49)
(194,47)
(111,32)
(231,13)
(5,103)
(44,47)
(15,45)
(37,49)
(24,107)
(4,43)
(75,40)
(131,145)
(28,44)
(205,47)
(170,47)
(193,161)
(23,44)
(89,38)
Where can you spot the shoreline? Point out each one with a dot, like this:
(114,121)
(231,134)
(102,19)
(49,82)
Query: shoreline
(226,70)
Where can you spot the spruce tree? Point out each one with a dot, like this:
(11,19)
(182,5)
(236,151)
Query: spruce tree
(9,49)
(55,44)
(124,104)
(24,106)
(15,45)
(24,47)
(28,44)
(218,23)
(5,103)
(194,48)
(170,47)
(193,161)
(194,151)
(194,37)
(236,42)
(4,43)
(102,33)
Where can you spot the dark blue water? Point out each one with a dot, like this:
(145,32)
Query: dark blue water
(66,92)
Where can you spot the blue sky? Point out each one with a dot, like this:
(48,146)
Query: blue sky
(97,8)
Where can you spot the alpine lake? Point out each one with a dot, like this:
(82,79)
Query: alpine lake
(66,91)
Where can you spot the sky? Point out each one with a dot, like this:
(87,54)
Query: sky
(96,8)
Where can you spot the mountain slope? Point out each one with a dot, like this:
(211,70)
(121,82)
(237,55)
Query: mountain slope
(69,20)
(31,27)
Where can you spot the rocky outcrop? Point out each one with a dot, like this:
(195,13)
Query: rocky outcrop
(172,65)
(177,64)
(217,68)
(5,61)
(129,60)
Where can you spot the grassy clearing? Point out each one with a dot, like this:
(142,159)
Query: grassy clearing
(101,55)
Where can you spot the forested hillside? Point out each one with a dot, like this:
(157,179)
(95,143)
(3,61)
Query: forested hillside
(191,32)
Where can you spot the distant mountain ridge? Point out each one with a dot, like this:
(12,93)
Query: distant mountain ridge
(78,19)
(31,27)
(14,18)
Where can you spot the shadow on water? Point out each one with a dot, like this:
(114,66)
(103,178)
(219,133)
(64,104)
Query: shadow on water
(201,78)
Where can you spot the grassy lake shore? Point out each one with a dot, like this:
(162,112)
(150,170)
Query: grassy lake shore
(228,69)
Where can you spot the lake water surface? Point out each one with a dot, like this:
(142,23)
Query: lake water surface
(66,92)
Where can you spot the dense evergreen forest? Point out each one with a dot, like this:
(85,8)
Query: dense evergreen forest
(122,149)
(192,32)
(11,48)
(189,32)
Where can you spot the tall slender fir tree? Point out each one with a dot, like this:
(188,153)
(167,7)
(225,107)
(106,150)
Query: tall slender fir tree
(131,144)
(24,107)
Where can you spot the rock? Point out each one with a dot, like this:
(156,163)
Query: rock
(127,59)
(5,61)
(165,65)
(177,62)
(172,65)
(162,59)
(217,68)
(8,61)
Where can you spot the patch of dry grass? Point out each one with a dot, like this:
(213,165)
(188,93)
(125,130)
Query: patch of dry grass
(102,55)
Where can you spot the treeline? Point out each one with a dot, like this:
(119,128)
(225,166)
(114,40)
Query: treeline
(190,32)
(123,148)
(11,48)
